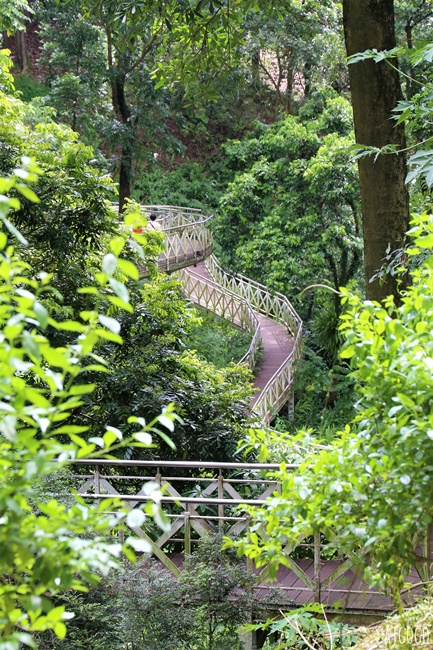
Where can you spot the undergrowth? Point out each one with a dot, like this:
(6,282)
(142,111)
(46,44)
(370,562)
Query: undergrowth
(218,341)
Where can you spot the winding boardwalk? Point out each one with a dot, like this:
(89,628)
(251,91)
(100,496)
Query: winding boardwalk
(277,344)
(268,316)
(277,327)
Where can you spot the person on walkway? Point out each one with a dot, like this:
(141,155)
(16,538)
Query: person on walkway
(153,224)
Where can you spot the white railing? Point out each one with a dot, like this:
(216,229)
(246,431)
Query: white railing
(201,499)
(188,241)
(237,310)
(277,307)
(174,216)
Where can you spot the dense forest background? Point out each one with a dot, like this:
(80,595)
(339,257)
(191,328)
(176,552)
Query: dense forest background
(311,164)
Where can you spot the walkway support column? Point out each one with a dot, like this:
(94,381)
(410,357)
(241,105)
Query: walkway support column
(248,640)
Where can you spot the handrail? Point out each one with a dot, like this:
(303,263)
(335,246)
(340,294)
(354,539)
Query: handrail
(219,506)
(189,241)
(181,464)
(276,306)
(174,216)
(225,303)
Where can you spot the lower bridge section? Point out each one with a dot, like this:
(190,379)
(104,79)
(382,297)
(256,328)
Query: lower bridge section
(349,594)
(314,573)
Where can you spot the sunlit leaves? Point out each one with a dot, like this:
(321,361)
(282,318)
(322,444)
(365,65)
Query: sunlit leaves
(371,490)
(46,547)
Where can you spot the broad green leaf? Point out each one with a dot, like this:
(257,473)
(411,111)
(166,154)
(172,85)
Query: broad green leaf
(111,323)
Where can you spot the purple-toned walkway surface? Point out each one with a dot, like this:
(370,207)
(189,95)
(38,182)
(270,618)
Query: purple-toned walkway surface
(276,342)
(349,594)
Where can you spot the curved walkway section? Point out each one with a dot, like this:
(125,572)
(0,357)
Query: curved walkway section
(188,238)
(269,317)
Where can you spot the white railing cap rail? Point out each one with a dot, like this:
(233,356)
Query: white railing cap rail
(182,464)
(228,292)
(191,216)
(272,294)
(247,305)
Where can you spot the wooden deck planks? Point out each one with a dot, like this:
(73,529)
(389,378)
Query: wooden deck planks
(288,591)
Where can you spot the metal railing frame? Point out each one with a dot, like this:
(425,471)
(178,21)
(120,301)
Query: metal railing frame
(212,296)
(220,494)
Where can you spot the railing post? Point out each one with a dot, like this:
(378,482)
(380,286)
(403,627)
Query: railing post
(291,406)
(97,481)
(316,578)
(187,527)
(220,496)
(427,555)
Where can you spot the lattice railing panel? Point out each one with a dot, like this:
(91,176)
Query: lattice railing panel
(276,306)
(211,296)
(222,496)
(185,246)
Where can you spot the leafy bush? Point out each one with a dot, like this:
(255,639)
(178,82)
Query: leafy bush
(371,487)
(201,610)
(189,185)
(218,341)
(29,87)
(47,546)
(290,218)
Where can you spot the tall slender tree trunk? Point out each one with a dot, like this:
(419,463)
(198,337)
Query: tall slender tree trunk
(375,89)
(123,113)
(125,174)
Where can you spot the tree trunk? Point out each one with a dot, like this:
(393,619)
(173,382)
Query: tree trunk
(123,113)
(375,89)
(255,69)
(125,174)
(22,54)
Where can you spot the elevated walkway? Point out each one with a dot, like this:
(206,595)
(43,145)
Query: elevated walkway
(314,571)
(274,325)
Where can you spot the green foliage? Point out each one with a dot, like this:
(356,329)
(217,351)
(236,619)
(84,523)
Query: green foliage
(147,607)
(13,15)
(153,369)
(190,185)
(200,610)
(324,397)
(304,628)
(6,79)
(74,58)
(218,341)
(67,227)
(297,48)
(290,218)
(47,546)
(28,87)
(97,624)
(371,488)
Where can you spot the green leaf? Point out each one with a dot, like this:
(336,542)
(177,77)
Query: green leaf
(111,323)
(129,269)
(28,193)
(143,437)
(135,518)
(166,422)
(41,314)
(70,326)
(109,264)
(119,289)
